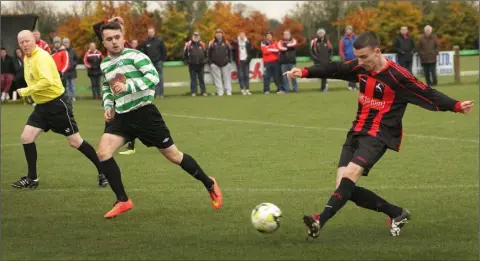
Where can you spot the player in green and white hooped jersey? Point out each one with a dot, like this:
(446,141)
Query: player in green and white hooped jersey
(130,114)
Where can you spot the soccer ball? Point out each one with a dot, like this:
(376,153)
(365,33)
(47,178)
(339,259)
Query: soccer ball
(266,218)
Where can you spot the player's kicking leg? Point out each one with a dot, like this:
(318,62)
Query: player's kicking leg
(109,143)
(188,163)
(359,154)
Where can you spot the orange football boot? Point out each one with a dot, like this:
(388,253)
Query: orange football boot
(119,208)
(216,195)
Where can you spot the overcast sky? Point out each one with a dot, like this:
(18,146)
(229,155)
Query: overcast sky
(273,9)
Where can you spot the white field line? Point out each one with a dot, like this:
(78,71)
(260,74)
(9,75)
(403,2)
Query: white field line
(246,190)
(274,124)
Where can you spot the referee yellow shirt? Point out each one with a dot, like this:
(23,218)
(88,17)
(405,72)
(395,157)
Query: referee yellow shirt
(42,77)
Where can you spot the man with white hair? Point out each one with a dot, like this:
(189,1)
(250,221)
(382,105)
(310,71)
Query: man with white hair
(321,52)
(427,49)
(53,110)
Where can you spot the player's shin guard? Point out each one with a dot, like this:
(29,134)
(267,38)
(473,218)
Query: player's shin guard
(367,199)
(191,166)
(338,199)
(30,150)
(114,177)
(90,153)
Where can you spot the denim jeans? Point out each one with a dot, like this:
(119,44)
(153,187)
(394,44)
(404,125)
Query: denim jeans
(286,84)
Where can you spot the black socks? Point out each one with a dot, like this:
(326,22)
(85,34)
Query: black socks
(338,199)
(114,177)
(90,153)
(191,166)
(30,150)
(367,199)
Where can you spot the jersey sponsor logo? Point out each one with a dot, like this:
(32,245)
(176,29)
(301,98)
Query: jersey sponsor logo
(370,102)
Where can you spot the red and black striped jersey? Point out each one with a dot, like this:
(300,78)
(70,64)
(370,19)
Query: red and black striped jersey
(383,97)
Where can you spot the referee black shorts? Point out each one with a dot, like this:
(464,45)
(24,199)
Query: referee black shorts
(363,150)
(55,115)
(145,123)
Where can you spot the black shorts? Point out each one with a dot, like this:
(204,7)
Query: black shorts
(55,115)
(145,123)
(363,150)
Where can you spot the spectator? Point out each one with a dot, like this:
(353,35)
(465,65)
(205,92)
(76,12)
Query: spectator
(428,50)
(134,44)
(346,50)
(7,72)
(242,49)
(288,59)
(61,58)
(41,43)
(219,56)
(195,55)
(271,66)
(19,81)
(404,46)
(155,49)
(321,52)
(92,60)
(71,73)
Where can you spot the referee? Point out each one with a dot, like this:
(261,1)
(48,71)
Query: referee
(52,112)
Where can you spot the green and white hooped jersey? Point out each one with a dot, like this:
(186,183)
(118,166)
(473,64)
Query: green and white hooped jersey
(141,79)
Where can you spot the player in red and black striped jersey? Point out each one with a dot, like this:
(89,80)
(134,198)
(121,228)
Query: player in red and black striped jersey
(385,90)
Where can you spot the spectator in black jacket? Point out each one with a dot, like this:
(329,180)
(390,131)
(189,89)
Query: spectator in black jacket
(71,73)
(19,80)
(92,60)
(321,52)
(195,55)
(404,46)
(155,49)
(241,50)
(288,59)
(7,73)
(219,55)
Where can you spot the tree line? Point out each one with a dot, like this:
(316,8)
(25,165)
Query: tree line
(455,23)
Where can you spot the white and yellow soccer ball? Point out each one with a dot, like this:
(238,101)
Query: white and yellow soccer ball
(266,218)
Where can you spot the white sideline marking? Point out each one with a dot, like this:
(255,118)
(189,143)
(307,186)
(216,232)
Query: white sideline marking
(249,190)
(345,130)
(271,124)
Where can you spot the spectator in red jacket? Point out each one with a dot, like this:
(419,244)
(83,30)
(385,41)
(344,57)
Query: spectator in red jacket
(61,58)
(271,66)
(92,60)
(41,43)
(7,73)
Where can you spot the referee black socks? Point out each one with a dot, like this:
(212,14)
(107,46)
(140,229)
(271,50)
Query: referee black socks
(111,170)
(191,166)
(31,156)
(367,199)
(338,199)
(90,153)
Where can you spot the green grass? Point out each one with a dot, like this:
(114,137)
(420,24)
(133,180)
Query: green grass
(278,148)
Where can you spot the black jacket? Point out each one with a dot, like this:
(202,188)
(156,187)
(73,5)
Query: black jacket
(236,51)
(154,48)
(288,56)
(404,48)
(219,53)
(72,71)
(321,50)
(195,53)
(7,65)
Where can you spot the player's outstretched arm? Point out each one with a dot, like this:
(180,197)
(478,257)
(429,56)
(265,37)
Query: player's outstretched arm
(414,91)
(334,70)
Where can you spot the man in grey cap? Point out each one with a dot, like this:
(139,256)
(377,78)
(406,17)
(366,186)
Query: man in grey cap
(71,73)
(61,57)
(195,55)
(346,50)
(321,52)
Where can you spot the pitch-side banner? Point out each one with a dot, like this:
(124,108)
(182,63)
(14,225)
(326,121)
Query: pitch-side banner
(444,67)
